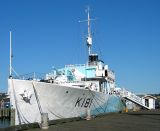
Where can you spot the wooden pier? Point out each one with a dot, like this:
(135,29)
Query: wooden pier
(5,113)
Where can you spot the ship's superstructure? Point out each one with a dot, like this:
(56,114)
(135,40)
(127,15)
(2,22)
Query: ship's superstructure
(66,92)
(95,70)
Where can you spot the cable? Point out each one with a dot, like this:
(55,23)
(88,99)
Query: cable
(38,102)
(18,113)
(98,102)
(58,116)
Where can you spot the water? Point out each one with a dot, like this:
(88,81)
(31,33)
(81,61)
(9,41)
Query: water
(4,123)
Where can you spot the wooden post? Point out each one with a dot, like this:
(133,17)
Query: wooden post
(3,112)
(8,114)
(12,117)
(0,113)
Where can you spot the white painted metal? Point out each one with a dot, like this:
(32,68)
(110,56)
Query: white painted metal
(63,98)
(56,100)
(10,56)
(89,38)
(133,98)
(151,104)
(151,101)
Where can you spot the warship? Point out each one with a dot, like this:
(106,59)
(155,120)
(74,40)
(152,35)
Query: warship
(67,92)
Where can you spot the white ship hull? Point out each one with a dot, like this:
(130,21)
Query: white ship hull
(31,98)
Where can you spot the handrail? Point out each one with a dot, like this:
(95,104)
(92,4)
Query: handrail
(133,98)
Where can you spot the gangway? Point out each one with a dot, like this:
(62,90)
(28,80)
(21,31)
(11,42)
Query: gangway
(133,98)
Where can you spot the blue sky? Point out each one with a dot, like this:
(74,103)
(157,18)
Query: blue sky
(46,33)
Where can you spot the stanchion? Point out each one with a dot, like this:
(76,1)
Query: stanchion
(12,117)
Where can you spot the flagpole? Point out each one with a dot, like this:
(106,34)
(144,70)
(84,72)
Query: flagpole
(10,64)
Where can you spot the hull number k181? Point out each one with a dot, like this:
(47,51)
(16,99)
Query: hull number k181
(83,102)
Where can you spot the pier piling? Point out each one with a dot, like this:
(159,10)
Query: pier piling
(7,113)
(4,113)
(12,117)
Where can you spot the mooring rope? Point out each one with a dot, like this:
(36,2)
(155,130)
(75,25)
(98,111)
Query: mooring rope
(18,113)
(96,100)
(57,115)
(37,99)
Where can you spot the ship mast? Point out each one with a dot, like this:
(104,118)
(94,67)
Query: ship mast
(10,63)
(10,58)
(89,37)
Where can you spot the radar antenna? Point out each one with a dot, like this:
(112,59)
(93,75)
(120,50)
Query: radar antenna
(89,36)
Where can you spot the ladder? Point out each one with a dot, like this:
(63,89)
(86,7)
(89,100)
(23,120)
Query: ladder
(133,98)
